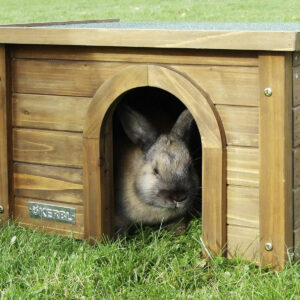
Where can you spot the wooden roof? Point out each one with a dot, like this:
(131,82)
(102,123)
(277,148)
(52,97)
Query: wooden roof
(234,36)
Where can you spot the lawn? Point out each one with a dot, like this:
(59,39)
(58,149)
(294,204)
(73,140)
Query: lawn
(151,263)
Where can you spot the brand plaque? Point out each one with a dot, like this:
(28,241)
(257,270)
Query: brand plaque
(51,212)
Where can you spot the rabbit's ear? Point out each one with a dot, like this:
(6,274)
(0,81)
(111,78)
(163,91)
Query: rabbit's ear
(137,128)
(183,125)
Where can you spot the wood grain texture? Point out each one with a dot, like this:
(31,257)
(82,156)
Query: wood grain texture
(296,167)
(141,55)
(243,242)
(21,215)
(54,148)
(243,166)
(49,112)
(225,85)
(57,77)
(4,173)
(243,206)
(296,207)
(276,158)
(296,58)
(296,85)
(240,124)
(296,126)
(48,183)
(297,243)
(164,38)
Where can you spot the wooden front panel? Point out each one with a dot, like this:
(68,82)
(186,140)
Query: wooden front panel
(50,112)
(53,87)
(21,215)
(54,148)
(48,183)
(296,151)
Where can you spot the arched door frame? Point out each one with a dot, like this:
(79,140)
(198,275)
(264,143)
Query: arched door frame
(97,140)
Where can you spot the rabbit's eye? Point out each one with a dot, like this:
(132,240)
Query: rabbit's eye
(155,171)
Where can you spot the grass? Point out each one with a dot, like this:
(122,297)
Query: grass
(18,11)
(151,264)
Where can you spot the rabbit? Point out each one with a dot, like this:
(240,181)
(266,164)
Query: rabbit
(156,181)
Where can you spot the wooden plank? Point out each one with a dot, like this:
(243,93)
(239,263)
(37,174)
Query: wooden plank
(48,183)
(164,38)
(296,59)
(50,112)
(21,215)
(296,207)
(276,158)
(297,243)
(61,77)
(296,126)
(141,55)
(54,148)
(224,84)
(243,166)
(296,167)
(243,242)
(240,124)
(296,86)
(4,156)
(243,206)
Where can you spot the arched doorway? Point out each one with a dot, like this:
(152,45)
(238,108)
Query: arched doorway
(98,176)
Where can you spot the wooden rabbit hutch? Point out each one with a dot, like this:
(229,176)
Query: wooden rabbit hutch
(59,83)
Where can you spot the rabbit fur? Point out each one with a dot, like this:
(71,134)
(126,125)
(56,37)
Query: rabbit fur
(155,178)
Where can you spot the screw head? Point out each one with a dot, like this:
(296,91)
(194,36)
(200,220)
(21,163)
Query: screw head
(268,92)
(296,75)
(268,246)
(1,209)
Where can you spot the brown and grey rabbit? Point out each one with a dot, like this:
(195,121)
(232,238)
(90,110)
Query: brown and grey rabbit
(156,181)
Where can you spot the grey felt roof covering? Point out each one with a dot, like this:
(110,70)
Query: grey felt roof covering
(293,27)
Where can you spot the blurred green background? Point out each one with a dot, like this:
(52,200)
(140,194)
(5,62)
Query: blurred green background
(23,11)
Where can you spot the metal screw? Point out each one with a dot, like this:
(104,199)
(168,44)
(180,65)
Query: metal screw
(296,57)
(1,209)
(297,75)
(268,92)
(268,246)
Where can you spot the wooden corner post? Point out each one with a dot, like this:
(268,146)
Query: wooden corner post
(275,144)
(4,190)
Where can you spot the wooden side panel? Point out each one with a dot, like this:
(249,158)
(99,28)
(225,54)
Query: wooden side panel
(4,193)
(50,112)
(134,55)
(21,214)
(243,242)
(47,147)
(297,243)
(296,85)
(48,183)
(296,58)
(61,77)
(276,158)
(243,166)
(296,126)
(297,207)
(296,164)
(225,85)
(243,206)
(240,124)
